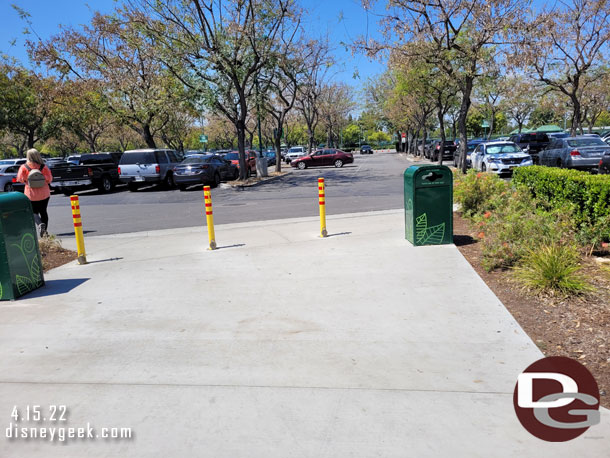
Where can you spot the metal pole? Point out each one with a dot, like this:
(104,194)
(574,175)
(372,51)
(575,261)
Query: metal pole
(322,203)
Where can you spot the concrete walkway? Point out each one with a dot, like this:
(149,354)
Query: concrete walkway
(279,344)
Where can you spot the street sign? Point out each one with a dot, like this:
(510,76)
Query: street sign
(203,139)
(404,137)
(484,124)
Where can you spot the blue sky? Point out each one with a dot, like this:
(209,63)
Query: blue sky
(344,20)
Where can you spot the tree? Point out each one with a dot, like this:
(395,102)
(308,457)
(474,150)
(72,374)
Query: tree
(335,105)
(26,104)
(456,36)
(565,48)
(138,91)
(217,48)
(521,99)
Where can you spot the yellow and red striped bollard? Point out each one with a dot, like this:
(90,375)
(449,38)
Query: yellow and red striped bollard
(322,202)
(209,217)
(78,230)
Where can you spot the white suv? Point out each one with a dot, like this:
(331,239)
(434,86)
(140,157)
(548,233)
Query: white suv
(294,153)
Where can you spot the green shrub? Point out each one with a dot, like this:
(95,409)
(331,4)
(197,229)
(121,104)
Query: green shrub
(588,194)
(517,225)
(553,268)
(477,192)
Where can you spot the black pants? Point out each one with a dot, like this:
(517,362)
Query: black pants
(39,207)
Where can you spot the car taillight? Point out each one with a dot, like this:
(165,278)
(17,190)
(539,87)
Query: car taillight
(157,169)
(600,163)
(90,171)
(119,170)
(14,180)
(574,153)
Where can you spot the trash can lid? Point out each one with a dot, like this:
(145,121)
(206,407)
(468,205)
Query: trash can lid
(428,175)
(11,201)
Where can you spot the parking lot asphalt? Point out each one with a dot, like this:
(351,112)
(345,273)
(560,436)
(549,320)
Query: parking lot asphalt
(278,344)
(373,182)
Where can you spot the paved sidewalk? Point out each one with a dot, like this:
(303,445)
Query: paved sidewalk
(279,344)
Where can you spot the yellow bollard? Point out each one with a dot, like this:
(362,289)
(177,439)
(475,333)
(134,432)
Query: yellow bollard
(209,216)
(322,202)
(78,230)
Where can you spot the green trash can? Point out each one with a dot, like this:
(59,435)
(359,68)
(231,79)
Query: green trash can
(20,261)
(428,205)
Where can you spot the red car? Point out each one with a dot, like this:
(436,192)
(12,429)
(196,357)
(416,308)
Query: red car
(322,157)
(233,156)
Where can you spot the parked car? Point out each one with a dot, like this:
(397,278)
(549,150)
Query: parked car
(95,170)
(294,153)
(574,152)
(74,159)
(499,157)
(8,175)
(148,166)
(16,161)
(604,164)
(553,135)
(204,169)
(321,157)
(270,156)
(470,146)
(366,149)
(448,150)
(233,156)
(531,143)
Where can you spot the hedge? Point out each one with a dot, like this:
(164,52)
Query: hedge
(590,194)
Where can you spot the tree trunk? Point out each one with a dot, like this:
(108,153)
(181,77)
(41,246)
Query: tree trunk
(491,125)
(278,148)
(30,138)
(241,147)
(463,114)
(441,123)
(148,137)
(576,118)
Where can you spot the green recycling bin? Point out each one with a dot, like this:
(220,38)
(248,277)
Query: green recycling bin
(20,261)
(428,205)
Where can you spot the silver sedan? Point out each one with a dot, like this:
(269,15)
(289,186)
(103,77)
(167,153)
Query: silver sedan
(582,152)
(7,174)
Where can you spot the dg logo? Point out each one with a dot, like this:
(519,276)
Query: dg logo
(556,399)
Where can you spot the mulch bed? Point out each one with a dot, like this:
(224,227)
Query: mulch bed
(54,255)
(576,327)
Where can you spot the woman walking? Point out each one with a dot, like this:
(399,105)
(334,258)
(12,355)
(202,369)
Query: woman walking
(37,177)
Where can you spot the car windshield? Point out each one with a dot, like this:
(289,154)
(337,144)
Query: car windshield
(504,148)
(587,141)
(270,153)
(138,158)
(295,150)
(7,162)
(231,156)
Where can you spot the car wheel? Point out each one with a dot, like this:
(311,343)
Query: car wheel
(132,187)
(483,167)
(8,187)
(559,164)
(216,181)
(169,181)
(235,174)
(105,185)
(338,163)
(182,187)
(301,165)
(67,192)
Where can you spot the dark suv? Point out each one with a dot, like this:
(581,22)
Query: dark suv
(448,150)
(531,143)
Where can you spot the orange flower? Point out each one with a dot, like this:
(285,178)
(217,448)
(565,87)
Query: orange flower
(479,175)
(487,215)
(505,244)
(605,244)
(481,235)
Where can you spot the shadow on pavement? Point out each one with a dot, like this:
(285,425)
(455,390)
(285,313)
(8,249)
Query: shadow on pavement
(338,233)
(104,260)
(67,234)
(237,245)
(54,287)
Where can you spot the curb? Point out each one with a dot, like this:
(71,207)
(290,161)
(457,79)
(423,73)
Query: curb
(261,182)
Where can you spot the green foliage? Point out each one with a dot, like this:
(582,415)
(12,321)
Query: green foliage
(552,269)
(588,194)
(514,223)
(477,192)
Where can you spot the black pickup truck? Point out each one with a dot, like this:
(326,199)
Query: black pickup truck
(95,170)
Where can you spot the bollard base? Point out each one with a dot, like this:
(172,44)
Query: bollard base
(324,233)
(82,259)
(212,245)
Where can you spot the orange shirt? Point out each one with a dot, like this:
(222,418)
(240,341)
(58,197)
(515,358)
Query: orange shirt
(35,194)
